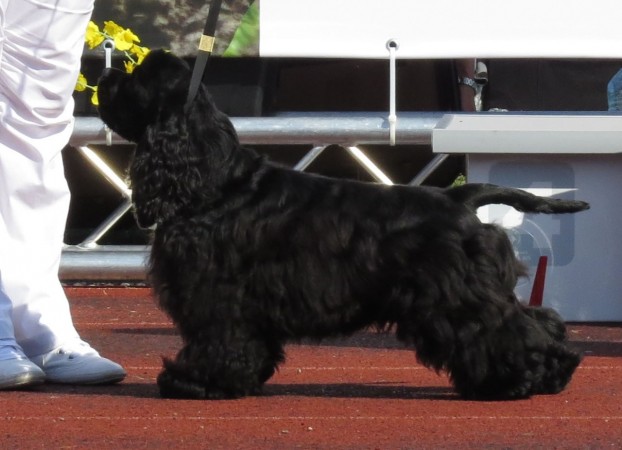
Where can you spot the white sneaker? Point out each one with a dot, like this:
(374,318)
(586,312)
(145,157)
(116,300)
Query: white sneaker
(19,373)
(77,363)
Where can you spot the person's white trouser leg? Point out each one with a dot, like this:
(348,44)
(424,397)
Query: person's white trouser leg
(41,43)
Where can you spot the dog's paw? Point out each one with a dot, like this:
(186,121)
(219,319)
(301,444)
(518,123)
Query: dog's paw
(173,386)
(557,369)
(174,383)
(524,356)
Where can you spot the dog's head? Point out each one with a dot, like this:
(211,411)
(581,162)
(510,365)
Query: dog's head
(129,103)
(183,155)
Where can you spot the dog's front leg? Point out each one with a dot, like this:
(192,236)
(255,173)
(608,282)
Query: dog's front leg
(220,369)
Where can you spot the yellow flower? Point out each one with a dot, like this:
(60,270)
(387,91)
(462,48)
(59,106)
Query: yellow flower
(139,52)
(94,99)
(129,66)
(124,41)
(93,37)
(123,38)
(81,84)
(111,28)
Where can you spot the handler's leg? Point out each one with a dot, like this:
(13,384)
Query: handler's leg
(40,49)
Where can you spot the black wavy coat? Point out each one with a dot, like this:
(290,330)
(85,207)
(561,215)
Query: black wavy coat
(248,256)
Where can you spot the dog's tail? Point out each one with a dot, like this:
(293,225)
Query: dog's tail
(475,195)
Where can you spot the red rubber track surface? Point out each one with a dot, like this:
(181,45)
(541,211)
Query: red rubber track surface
(365,392)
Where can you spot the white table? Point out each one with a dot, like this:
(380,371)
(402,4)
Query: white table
(564,156)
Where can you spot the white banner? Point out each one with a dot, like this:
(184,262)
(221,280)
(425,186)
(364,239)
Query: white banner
(442,28)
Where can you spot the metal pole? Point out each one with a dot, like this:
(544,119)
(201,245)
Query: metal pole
(301,129)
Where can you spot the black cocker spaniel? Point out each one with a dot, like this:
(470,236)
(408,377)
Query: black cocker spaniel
(247,256)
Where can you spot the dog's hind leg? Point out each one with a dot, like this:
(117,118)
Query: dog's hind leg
(491,348)
(220,370)
(492,353)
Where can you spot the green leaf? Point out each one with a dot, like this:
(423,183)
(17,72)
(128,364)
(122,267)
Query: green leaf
(247,34)
(459,181)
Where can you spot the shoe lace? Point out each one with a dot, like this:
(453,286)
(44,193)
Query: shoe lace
(76,349)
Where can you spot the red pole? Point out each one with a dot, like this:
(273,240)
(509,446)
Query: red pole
(537,291)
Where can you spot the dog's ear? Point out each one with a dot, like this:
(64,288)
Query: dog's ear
(164,176)
(186,160)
